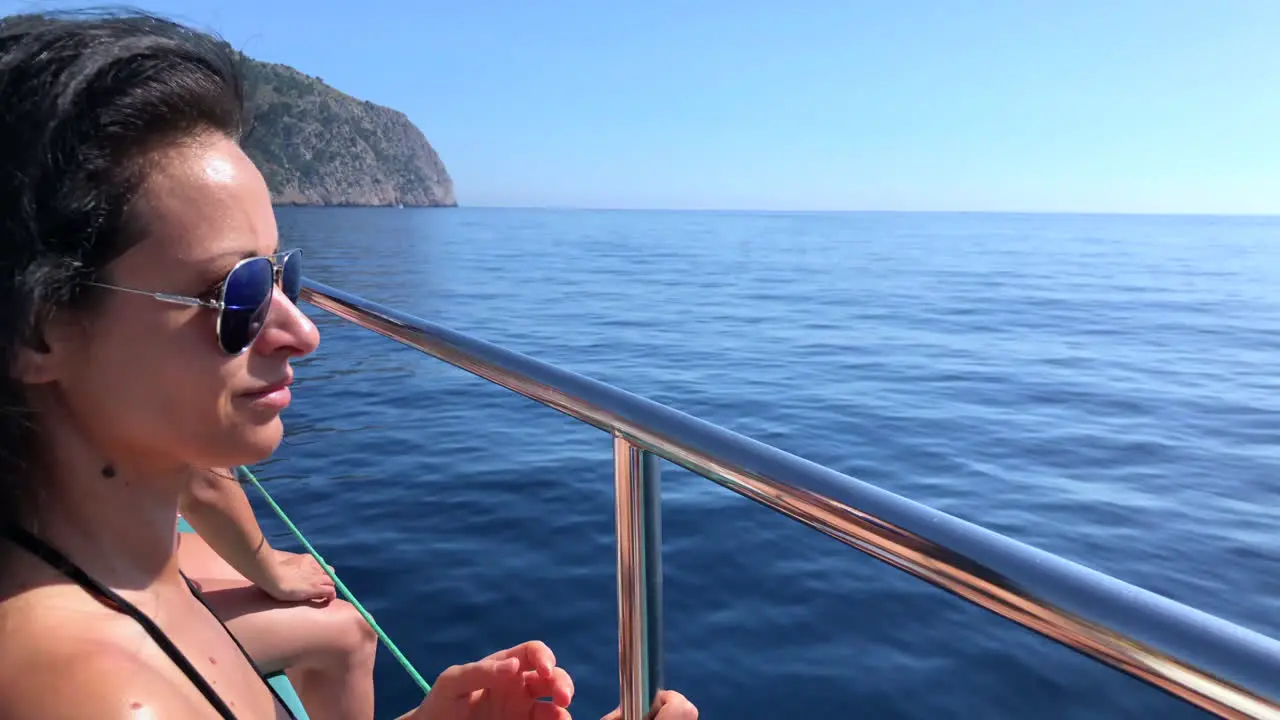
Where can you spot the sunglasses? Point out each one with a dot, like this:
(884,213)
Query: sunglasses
(245,298)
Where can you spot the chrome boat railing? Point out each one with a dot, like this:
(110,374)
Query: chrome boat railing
(1223,668)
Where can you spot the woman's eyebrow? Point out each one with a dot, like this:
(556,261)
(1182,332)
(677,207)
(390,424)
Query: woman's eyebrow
(236,255)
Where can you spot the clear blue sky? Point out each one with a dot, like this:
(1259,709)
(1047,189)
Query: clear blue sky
(1040,105)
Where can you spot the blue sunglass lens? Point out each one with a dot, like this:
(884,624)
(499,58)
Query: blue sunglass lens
(246,299)
(291,276)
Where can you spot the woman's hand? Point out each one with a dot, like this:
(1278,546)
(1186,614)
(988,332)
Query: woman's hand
(670,705)
(507,685)
(294,577)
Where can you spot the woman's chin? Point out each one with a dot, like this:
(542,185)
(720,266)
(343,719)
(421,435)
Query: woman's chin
(258,442)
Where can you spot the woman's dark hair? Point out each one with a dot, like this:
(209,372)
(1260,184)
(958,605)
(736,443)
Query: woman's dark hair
(85,97)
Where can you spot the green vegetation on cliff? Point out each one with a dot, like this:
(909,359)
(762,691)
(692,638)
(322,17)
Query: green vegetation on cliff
(319,146)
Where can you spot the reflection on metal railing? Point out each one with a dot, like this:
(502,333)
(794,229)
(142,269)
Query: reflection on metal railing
(1220,667)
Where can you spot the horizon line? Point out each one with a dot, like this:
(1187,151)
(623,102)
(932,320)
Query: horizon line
(781,211)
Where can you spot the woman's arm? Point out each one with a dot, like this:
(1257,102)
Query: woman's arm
(217,508)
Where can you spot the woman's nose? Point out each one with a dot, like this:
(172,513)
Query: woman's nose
(287,329)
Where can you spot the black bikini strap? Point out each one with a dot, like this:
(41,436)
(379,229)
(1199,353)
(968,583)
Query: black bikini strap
(58,561)
(200,596)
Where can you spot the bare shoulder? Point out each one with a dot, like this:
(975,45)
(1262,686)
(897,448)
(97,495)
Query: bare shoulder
(52,668)
(107,683)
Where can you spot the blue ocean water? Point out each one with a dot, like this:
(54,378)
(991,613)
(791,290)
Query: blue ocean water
(1103,387)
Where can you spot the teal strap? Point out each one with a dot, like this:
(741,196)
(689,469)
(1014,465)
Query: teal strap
(342,589)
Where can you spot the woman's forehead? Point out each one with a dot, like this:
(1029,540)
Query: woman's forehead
(204,203)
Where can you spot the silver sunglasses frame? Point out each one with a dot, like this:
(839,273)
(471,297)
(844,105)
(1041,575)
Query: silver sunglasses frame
(277,261)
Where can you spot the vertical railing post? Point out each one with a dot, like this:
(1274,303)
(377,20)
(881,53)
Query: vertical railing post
(638,508)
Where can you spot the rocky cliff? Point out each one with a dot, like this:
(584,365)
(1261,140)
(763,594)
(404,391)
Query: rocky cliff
(318,146)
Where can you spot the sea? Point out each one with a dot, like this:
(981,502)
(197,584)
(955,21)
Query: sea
(1103,387)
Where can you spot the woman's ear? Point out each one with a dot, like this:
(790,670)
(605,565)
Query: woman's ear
(38,358)
(33,365)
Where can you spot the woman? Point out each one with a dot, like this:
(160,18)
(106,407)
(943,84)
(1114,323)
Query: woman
(148,323)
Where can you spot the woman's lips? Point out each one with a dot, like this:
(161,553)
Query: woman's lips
(275,396)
